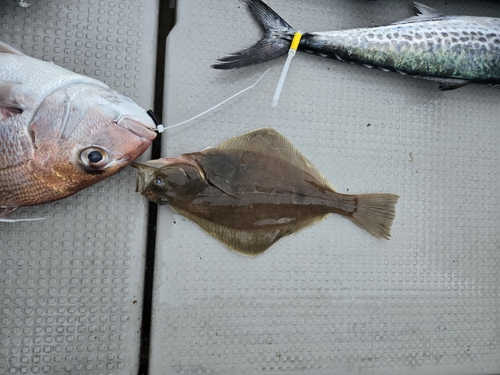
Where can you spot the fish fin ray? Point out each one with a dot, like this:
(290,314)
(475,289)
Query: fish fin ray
(426,13)
(262,51)
(7,210)
(276,40)
(446,84)
(5,48)
(266,16)
(247,242)
(375,213)
(270,142)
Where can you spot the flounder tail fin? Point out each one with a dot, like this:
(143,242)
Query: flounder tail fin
(375,213)
(276,42)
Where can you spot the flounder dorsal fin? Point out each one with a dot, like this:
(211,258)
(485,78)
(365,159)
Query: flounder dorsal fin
(247,242)
(426,13)
(5,48)
(271,143)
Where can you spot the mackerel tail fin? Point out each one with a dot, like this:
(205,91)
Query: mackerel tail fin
(276,41)
(375,213)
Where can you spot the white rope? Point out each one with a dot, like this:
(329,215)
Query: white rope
(162,128)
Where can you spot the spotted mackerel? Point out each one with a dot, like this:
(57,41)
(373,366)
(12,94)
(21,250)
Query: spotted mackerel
(450,50)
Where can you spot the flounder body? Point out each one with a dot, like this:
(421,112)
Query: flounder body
(254,189)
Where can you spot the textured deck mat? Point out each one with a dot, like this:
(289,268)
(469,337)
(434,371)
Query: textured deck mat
(333,299)
(72,284)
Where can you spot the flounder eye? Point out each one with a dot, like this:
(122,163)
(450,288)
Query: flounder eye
(162,201)
(94,158)
(159,184)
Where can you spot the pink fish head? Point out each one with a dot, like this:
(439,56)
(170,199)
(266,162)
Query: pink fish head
(82,134)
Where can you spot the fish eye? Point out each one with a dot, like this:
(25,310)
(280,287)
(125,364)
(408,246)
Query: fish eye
(162,201)
(159,184)
(94,158)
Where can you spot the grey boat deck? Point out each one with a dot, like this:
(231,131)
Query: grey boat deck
(330,299)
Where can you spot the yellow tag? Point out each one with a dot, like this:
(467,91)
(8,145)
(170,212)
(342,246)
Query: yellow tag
(296,41)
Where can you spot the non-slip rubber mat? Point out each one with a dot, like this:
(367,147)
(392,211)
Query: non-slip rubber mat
(72,285)
(332,299)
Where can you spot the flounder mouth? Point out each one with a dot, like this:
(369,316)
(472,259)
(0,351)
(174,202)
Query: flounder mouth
(140,129)
(142,178)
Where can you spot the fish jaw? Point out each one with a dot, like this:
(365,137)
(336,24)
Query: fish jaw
(145,174)
(141,127)
(134,118)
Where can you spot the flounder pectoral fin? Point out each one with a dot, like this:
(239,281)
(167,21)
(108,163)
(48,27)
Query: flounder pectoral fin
(8,105)
(220,169)
(273,144)
(248,242)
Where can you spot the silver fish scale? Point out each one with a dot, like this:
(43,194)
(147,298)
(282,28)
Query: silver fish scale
(470,51)
(13,138)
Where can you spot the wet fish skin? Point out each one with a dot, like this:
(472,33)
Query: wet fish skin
(254,189)
(450,50)
(61,132)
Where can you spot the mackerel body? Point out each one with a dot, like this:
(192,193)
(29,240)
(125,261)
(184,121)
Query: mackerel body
(451,50)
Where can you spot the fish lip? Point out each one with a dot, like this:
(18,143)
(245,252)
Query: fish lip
(142,129)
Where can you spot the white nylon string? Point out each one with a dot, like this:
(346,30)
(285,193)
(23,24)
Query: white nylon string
(161,128)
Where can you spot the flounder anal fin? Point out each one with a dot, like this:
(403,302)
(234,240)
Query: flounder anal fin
(8,104)
(271,143)
(249,242)
(5,48)
(426,13)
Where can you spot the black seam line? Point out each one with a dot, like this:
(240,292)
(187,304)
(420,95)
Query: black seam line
(166,21)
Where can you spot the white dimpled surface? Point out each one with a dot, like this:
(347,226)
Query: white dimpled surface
(332,299)
(72,284)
